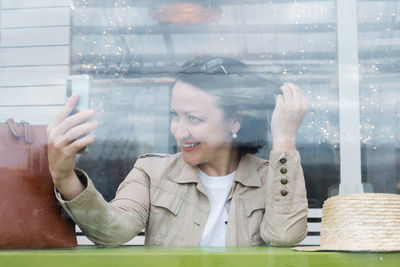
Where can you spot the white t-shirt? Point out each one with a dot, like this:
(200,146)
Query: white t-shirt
(217,189)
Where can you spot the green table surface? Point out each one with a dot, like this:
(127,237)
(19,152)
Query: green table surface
(191,256)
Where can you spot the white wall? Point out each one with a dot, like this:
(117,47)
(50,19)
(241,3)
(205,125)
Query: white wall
(34,58)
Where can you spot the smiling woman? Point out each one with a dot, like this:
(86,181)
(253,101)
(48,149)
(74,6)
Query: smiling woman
(202,130)
(214,192)
(243,96)
(223,111)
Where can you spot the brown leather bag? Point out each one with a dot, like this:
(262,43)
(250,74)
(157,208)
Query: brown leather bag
(30,216)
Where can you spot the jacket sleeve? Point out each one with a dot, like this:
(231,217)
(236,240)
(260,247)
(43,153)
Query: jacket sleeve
(114,223)
(285,218)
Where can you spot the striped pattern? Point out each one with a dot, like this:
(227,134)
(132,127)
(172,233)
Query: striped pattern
(34,58)
(313,238)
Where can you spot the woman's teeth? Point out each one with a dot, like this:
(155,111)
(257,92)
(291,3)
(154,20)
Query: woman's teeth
(189,145)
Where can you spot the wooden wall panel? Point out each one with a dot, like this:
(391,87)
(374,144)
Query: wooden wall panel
(33,76)
(25,18)
(34,56)
(32,96)
(41,115)
(8,4)
(35,36)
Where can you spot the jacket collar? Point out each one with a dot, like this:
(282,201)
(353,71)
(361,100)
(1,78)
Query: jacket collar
(246,174)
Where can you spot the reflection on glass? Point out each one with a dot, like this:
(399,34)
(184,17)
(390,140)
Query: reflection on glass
(378,43)
(133,58)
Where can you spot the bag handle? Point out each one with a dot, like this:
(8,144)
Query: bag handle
(15,130)
(28,132)
(24,132)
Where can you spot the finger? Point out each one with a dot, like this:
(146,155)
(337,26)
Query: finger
(80,143)
(299,96)
(287,93)
(292,86)
(279,101)
(303,99)
(300,103)
(77,132)
(74,120)
(296,92)
(66,109)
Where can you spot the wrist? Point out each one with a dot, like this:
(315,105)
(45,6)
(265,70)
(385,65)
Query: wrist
(70,187)
(284,144)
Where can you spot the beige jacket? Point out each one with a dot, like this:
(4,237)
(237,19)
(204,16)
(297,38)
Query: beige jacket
(267,204)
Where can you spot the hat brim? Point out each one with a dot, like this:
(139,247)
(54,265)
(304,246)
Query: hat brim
(322,248)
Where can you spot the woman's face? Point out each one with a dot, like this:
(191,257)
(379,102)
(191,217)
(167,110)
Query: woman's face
(200,127)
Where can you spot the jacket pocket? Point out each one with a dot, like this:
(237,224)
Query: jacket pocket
(162,201)
(254,209)
(164,218)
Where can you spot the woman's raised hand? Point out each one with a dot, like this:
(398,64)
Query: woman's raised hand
(64,141)
(290,109)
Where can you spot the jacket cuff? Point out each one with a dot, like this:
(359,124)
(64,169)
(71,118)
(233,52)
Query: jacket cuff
(289,159)
(82,197)
(287,178)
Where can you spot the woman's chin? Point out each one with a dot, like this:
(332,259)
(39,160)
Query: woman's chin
(190,159)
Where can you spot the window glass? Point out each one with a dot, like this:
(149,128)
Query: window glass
(379,32)
(132,51)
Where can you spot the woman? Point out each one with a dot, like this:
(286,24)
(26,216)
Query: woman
(213,193)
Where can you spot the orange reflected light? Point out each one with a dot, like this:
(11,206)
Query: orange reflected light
(186,13)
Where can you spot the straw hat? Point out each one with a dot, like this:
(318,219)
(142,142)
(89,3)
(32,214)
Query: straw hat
(360,222)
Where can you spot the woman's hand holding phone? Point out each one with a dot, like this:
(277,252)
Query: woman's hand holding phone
(67,135)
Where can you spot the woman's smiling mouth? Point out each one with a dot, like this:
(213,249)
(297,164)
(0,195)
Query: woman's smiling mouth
(187,147)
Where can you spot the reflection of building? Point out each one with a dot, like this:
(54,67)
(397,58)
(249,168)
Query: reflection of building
(132,57)
(135,50)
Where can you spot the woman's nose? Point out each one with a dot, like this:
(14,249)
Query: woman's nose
(181,130)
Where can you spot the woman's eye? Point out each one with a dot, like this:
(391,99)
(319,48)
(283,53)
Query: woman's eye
(174,114)
(194,119)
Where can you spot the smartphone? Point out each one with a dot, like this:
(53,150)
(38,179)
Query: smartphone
(80,85)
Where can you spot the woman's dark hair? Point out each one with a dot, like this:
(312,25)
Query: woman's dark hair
(240,93)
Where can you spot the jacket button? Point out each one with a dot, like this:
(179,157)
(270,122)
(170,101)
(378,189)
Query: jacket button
(283,170)
(284,181)
(284,192)
(283,160)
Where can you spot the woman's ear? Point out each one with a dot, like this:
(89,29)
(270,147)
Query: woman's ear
(235,125)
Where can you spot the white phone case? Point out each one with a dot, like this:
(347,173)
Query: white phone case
(80,85)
